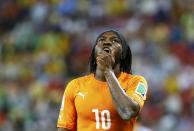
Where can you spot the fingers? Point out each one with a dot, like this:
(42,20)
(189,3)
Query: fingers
(102,59)
(103,53)
(105,60)
(100,62)
(106,57)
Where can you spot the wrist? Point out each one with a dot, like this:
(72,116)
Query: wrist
(107,71)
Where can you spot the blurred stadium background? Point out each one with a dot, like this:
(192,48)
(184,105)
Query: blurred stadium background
(46,43)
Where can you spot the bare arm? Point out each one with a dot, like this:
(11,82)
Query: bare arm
(126,107)
(63,129)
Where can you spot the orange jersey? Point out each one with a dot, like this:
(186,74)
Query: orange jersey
(87,104)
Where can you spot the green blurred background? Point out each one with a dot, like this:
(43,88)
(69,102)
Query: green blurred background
(46,43)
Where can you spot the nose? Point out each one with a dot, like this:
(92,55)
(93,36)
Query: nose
(106,44)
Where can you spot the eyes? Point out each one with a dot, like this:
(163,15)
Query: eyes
(114,40)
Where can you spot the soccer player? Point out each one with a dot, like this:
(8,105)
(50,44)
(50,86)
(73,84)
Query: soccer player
(110,97)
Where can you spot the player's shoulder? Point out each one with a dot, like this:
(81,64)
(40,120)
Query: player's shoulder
(81,79)
(139,77)
(75,83)
(134,78)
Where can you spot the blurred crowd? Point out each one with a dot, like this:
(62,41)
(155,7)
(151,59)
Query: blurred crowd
(46,43)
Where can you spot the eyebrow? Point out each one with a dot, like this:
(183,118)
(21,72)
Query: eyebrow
(113,37)
(102,37)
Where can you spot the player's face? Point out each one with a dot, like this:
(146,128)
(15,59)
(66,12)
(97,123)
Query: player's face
(109,42)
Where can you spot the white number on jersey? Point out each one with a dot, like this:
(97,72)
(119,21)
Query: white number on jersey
(105,118)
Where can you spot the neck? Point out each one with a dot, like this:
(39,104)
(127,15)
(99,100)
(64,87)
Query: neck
(99,74)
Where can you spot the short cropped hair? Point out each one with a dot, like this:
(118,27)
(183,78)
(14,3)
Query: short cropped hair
(126,55)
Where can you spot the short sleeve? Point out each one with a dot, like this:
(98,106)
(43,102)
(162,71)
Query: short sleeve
(67,116)
(137,89)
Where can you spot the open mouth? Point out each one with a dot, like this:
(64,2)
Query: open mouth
(106,49)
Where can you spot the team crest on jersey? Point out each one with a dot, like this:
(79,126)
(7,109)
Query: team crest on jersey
(141,90)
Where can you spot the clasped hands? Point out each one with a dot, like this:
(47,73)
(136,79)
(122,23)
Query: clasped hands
(105,61)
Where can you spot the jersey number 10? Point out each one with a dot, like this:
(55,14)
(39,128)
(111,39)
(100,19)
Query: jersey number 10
(105,118)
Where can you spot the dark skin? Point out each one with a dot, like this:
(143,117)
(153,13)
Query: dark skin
(108,52)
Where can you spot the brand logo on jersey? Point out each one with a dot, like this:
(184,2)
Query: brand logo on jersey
(82,94)
(141,90)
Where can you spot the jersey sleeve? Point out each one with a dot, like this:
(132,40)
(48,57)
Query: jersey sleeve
(137,90)
(67,116)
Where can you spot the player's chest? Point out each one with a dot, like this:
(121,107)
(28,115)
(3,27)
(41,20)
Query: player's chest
(94,101)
